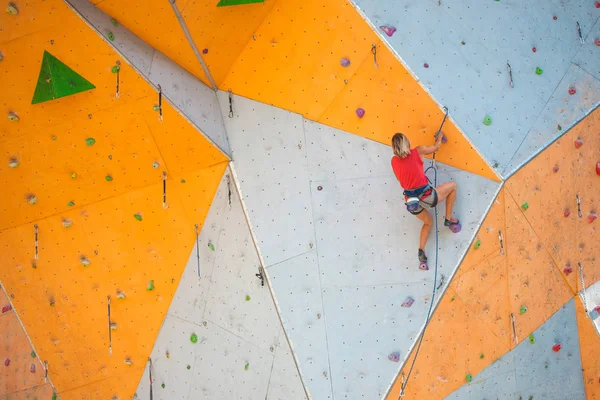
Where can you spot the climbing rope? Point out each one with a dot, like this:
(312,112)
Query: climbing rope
(197,249)
(35,229)
(109,329)
(435,273)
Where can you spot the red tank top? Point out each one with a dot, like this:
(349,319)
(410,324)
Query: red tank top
(409,171)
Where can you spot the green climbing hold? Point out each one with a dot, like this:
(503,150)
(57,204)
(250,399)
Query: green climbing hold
(162,385)
(223,3)
(90,141)
(211,246)
(247,298)
(531,338)
(57,80)
(110,36)
(32,354)
(539,71)
(469,377)
(70,204)
(194,338)
(247,366)
(114,22)
(156,108)
(108,178)
(150,285)
(189,367)
(137,216)
(481,356)
(183,181)
(115,69)
(559,128)
(54,396)
(452,298)
(496,165)
(525,206)
(487,120)
(522,310)
(477,244)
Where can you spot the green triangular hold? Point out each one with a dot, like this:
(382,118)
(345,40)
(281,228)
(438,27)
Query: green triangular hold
(223,3)
(57,80)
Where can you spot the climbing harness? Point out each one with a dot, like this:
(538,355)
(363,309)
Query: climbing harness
(197,249)
(579,33)
(583,298)
(35,229)
(514,327)
(416,198)
(165,204)
(230,104)
(501,238)
(510,83)
(261,275)
(109,330)
(435,285)
(160,115)
(374,51)
(118,72)
(578,206)
(150,375)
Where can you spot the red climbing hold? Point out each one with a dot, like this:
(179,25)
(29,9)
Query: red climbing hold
(597,309)
(319,188)
(597,42)
(592,217)
(597,4)
(6,308)
(567,270)
(389,30)
(578,143)
(598,168)
(556,348)
(555,18)
(360,112)
(32,369)
(567,213)
(408,302)
(534,49)
(555,169)
(204,51)
(572,90)
(7,362)
(426,65)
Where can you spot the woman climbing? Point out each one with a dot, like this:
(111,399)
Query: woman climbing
(407,164)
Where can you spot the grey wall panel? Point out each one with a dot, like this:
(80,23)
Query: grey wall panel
(270,158)
(296,284)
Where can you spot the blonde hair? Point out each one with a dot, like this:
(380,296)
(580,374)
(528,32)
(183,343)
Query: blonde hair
(401,145)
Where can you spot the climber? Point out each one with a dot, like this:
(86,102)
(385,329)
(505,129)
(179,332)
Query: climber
(407,164)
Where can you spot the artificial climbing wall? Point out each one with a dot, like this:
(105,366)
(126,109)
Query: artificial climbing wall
(86,173)
(522,267)
(319,60)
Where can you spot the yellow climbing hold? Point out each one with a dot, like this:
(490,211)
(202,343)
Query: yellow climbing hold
(12,117)
(84,261)
(12,9)
(67,223)
(73,175)
(31,199)
(13,163)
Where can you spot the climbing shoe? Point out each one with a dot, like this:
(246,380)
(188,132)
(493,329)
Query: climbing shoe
(454,226)
(422,256)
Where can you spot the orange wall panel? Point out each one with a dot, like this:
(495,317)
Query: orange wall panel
(534,280)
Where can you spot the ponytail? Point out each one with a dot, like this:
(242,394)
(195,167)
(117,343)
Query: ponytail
(401,145)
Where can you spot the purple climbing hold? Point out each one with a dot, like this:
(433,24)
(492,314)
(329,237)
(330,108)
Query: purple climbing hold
(360,112)
(344,62)
(423,266)
(389,30)
(204,51)
(455,228)
(408,302)
(395,356)
(444,138)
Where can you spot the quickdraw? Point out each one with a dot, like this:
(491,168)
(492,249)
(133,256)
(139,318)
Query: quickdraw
(374,51)
(165,204)
(160,113)
(109,329)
